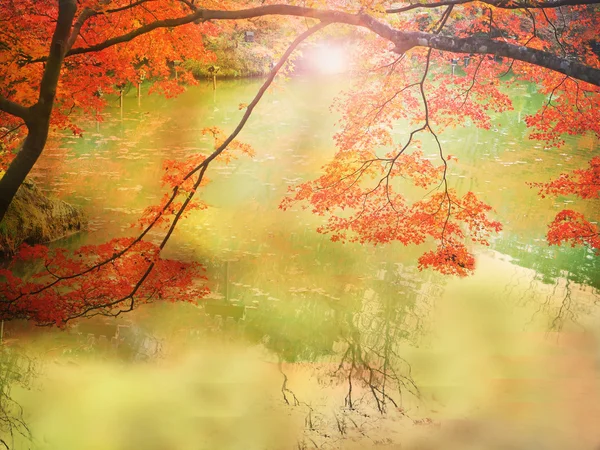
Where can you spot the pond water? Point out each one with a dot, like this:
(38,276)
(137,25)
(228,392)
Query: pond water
(333,334)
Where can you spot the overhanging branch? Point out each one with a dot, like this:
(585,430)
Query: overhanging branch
(403,40)
(504,4)
(406,40)
(206,14)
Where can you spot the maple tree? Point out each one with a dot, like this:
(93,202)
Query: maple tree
(571,226)
(57,55)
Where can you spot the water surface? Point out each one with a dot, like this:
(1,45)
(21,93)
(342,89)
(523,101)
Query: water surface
(506,357)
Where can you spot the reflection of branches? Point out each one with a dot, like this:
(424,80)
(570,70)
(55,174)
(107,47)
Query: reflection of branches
(565,308)
(543,305)
(15,369)
(513,282)
(370,359)
(284,389)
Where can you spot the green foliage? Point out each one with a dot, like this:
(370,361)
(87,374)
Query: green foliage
(235,57)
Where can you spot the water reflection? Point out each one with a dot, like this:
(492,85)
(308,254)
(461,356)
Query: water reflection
(568,278)
(17,370)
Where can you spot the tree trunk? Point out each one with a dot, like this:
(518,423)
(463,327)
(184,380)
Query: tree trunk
(22,164)
(37,117)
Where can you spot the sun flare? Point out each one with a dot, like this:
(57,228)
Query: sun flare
(330,59)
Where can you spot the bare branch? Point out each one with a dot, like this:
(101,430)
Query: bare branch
(12,130)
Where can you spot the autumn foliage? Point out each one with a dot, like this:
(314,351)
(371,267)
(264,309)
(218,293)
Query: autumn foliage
(388,179)
(99,279)
(569,226)
(116,276)
(88,81)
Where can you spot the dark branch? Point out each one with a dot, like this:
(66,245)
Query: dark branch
(504,4)
(403,40)
(58,48)
(130,6)
(205,14)
(14,109)
(83,17)
(406,40)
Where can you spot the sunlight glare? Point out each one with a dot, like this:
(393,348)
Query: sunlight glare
(330,59)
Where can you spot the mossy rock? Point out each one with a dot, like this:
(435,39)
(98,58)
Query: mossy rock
(34,218)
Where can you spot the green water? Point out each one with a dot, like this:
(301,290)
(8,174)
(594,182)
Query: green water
(510,352)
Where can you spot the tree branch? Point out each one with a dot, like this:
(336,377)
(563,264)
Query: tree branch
(403,40)
(14,109)
(504,4)
(83,17)
(130,6)
(58,48)
(406,40)
(206,14)
(37,117)
(88,13)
